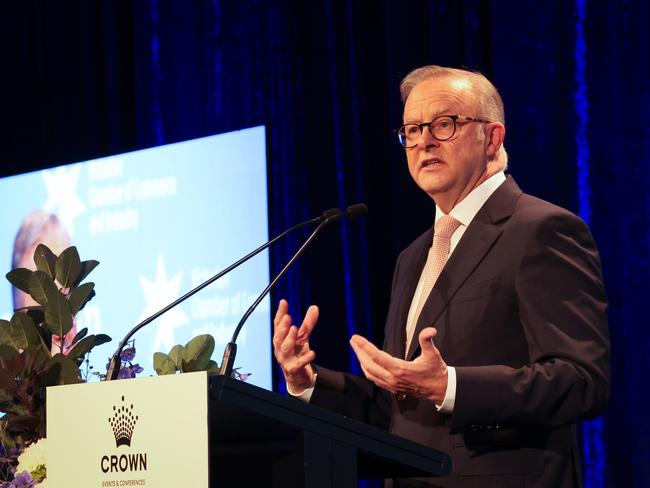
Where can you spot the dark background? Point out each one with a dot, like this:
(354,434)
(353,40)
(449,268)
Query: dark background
(83,79)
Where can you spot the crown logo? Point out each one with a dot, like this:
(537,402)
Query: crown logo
(123,422)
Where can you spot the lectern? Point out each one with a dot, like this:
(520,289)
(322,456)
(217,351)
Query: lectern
(278,441)
(214,431)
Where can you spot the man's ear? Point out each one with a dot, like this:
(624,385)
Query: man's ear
(495,134)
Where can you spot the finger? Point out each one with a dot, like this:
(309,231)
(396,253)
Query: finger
(283,308)
(374,371)
(281,330)
(308,323)
(426,340)
(380,357)
(360,343)
(305,359)
(380,367)
(366,362)
(359,340)
(430,353)
(289,343)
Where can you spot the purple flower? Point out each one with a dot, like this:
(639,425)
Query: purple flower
(135,369)
(130,371)
(22,480)
(128,354)
(124,373)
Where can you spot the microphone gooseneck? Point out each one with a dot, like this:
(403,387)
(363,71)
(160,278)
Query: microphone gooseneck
(116,360)
(329,216)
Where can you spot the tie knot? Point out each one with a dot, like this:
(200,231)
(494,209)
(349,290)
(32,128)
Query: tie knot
(445,226)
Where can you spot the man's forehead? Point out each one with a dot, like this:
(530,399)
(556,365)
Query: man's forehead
(437,96)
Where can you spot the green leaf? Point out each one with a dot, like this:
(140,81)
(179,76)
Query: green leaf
(51,375)
(101,339)
(80,296)
(36,313)
(45,260)
(176,355)
(36,358)
(7,351)
(58,319)
(82,347)
(212,367)
(5,337)
(22,423)
(68,267)
(23,331)
(80,335)
(163,364)
(68,372)
(41,287)
(86,268)
(197,352)
(11,362)
(19,277)
(46,337)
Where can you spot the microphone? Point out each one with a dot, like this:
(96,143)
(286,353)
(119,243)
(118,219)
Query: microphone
(356,211)
(352,212)
(116,360)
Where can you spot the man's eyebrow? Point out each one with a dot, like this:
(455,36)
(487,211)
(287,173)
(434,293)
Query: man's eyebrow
(444,111)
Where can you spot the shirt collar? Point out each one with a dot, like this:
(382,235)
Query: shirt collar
(469,206)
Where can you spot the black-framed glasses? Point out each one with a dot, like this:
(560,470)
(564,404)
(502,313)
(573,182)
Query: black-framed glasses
(441,128)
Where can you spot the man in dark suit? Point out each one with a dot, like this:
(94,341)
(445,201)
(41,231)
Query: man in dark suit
(496,340)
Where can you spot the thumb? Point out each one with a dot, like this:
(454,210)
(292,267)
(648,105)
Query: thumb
(426,340)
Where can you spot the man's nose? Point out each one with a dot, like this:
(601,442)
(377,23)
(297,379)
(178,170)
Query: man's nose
(427,140)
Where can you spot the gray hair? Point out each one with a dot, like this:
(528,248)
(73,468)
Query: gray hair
(490,104)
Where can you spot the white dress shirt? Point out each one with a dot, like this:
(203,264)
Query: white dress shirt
(464,212)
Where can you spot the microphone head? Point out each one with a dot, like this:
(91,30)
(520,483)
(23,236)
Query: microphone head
(357,210)
(331,214)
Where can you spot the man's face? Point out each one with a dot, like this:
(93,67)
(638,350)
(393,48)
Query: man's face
(446,170)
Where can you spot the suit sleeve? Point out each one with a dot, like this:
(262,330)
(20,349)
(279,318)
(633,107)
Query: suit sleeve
(563,312)
(351,395)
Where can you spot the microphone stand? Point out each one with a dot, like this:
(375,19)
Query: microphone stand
(228,360)
(116,361)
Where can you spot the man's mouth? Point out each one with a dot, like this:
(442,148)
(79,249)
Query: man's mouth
(430,162)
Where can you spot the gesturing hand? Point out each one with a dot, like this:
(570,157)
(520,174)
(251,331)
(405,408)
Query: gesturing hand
(291,346)
(425,376)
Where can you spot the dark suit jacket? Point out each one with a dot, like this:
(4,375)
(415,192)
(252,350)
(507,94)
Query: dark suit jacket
(521,313)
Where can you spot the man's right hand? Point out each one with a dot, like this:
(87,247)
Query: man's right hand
(291,347)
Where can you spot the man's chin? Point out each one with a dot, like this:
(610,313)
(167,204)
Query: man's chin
(433,185)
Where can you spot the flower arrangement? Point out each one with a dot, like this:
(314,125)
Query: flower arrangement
(40,347)
(31,469)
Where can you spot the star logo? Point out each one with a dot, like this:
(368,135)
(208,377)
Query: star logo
(158,293)
(62,198)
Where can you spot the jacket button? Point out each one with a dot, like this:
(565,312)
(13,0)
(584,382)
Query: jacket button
(400,397)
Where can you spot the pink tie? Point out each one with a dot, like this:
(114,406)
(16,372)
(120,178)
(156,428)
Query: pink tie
(438,254)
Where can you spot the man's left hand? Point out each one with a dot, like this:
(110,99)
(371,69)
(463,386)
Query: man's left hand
(425,376)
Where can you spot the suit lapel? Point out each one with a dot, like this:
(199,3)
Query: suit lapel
(410,276)
(476,242)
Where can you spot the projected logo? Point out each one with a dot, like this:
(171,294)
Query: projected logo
(123,422)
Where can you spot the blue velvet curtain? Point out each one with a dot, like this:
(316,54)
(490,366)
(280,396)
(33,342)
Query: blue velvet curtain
(84,79)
